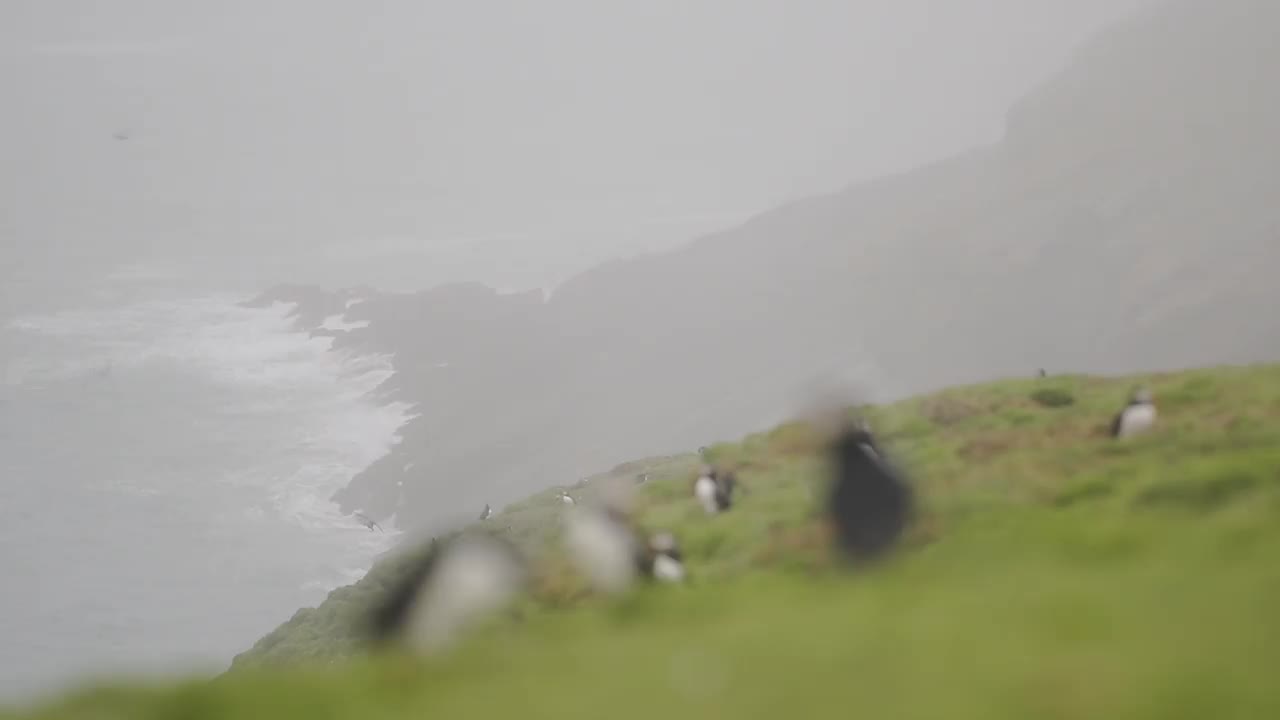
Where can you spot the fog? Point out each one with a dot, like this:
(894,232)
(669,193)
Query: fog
(560,133)
(722,204)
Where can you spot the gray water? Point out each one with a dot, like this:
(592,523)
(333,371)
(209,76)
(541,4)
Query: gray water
(166,457)
(165,468)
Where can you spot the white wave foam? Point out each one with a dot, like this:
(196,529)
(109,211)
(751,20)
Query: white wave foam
(339,323)
(233,344)
(319,399)
(318,586)
(338,578)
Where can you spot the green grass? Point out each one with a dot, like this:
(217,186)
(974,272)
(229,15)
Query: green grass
(1052,573)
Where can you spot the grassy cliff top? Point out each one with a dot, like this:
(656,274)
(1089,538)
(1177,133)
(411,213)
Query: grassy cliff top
(1052,572)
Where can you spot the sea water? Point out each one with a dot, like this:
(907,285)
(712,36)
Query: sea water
(165,473)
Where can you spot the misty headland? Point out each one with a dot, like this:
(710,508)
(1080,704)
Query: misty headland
(678,277)
(1125,221)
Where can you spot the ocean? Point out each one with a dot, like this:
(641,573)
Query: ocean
(166,460)
(166,456)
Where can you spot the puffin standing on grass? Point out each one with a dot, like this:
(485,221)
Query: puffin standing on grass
(869,502)
(450,587)
(707,491)
(714,488)
(611,551)
(663,560)
(1137,417)
(603,546)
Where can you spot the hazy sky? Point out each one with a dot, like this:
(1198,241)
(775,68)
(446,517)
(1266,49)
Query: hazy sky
(302,120)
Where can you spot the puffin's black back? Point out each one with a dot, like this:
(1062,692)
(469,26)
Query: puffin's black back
(869,502)
(726,481)
(1116,422)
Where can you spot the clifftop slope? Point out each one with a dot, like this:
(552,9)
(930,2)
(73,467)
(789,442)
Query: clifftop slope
(1052,571)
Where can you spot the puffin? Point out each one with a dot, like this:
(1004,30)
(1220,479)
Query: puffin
(869,501)
(611,551)
(714,488)
(663,561)
(451,586)
(1136,417)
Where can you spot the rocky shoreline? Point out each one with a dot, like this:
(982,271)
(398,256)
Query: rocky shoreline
(513,393)
(413,329)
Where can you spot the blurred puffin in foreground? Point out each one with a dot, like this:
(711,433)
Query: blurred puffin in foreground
(869,502)
(611,551)
(456,583)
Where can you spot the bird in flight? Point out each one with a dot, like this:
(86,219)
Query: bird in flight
(368,522)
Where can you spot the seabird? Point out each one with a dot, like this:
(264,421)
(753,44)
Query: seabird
(664,560)
(566,498)
(714,489)
(455,583)
(368,522)
(611,551)
(1136,417)
(869,502)
(486,513)
(603,546)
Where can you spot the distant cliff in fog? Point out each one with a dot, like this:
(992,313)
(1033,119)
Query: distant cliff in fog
(1127,220)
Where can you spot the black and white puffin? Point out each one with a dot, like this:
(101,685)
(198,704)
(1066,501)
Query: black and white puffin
(663,559)
(714,488)
(1136,417)
(612,552)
